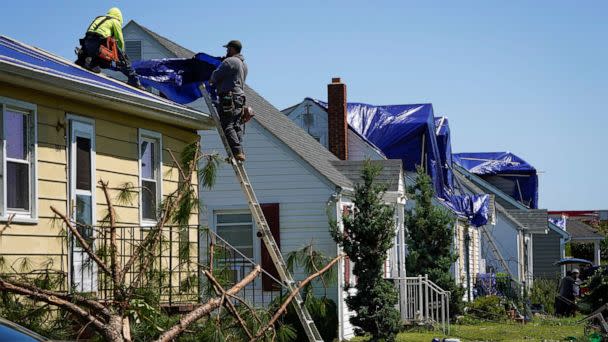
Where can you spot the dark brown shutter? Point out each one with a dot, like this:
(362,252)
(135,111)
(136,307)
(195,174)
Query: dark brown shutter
(271,213)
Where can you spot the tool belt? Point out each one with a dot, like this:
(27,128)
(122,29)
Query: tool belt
(229,105)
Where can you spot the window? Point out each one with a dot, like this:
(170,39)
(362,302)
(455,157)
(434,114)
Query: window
(150,175)
(133,49)
(17,154)
(237,230)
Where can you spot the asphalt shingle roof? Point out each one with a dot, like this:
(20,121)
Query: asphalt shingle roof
(532,219)
(582,231)
(269,117)
(390,174)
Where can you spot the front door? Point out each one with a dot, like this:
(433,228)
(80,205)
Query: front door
(82,200)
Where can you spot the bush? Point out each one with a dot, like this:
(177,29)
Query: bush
(598,291)
(543,292)
(487,308)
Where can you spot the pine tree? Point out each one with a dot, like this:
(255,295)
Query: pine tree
(367,236)
(429,234)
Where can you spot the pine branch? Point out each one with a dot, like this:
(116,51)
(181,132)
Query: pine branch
(114,265)
(203,310)
(83,242)
(292,295)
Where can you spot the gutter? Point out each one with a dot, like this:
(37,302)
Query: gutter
(148,108)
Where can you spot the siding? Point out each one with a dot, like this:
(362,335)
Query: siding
(358,149)
(277,176)
(116,162)
(505,236)
(546,252)
(318,127)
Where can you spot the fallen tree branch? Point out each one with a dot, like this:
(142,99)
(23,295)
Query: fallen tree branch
(291,296)
(229,305)
(87,248)
(114,265)
(206,308)
(36,294)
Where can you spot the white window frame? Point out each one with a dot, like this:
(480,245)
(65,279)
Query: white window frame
(255,245)
(157,138)
(31,110)
(87,127)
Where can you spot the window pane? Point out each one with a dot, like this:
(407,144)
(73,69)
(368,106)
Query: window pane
(148,200)
(147,159)
(17,186)
(233,218)
(83,163)
(16,135)
(84,216)
(239,236)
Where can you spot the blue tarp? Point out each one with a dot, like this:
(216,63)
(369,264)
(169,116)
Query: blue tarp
(561,222)
(178,79)
(14,52)
(409,132)
(509,167)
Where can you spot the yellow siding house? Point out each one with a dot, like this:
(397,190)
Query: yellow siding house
(62,130)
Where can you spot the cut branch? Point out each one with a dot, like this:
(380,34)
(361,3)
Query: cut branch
(229,305)
(36,294)
(114,265)
(87,248)
(206,308)
(291,296)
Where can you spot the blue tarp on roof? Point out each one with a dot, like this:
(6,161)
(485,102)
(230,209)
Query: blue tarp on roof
(14,52)
(178,79)
(410,133)
(509,167)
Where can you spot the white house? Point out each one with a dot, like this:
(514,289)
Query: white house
(318,121)
(301,185)
(522,238)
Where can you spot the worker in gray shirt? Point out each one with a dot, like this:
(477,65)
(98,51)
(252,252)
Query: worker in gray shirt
(229,80)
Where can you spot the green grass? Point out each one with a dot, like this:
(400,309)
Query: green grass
(549,329)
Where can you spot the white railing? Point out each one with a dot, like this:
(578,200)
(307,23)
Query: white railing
(423,302)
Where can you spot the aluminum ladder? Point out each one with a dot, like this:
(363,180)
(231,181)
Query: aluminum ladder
(264,230)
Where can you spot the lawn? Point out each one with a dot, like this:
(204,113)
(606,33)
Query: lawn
(539,330)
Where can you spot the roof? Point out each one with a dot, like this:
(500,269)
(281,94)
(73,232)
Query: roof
(390,174)
(532,219)
(581,231)
(503,202)
(279,125)
(34,68)
(172,47)
(302,143)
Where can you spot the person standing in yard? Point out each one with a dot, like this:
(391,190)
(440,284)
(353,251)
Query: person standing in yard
(229,80)
(564,301)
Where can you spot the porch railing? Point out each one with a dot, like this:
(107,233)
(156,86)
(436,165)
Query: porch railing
(175,276)
(423,302)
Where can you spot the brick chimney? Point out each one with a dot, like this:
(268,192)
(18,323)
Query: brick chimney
(336,118)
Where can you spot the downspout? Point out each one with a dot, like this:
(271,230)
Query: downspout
(334,214)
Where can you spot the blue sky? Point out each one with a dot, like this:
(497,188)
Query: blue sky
(530,77)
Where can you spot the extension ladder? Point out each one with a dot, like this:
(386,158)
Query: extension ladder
(264,230)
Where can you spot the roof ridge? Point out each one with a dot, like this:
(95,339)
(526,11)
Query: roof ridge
(165,42)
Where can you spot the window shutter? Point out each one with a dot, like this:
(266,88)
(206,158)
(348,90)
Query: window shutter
(271,213)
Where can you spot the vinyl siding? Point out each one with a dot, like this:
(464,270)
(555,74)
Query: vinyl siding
(277,176)
(546,252)
(116,162)
(505,235)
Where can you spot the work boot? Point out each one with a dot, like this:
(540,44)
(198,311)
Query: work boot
(87,64)
(134,82)
(240,157)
